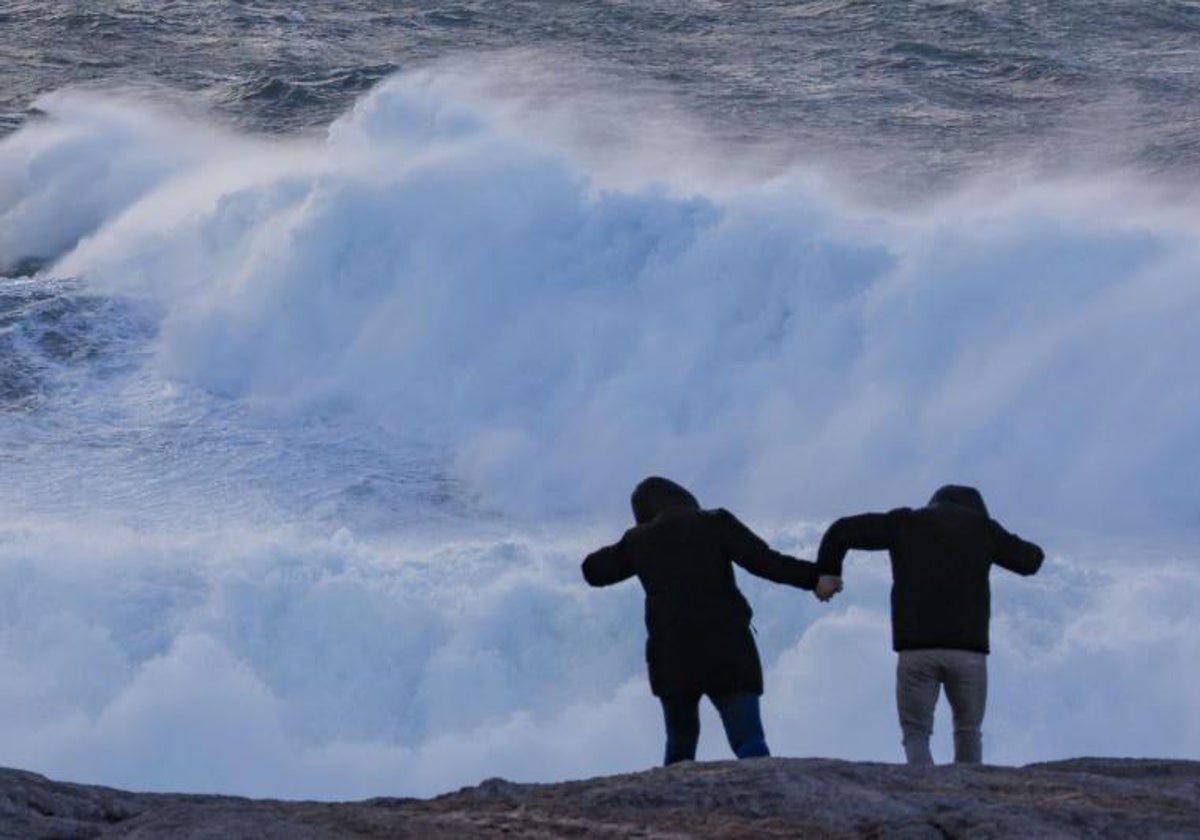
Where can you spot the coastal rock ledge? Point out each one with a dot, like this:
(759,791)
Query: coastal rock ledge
(776,797)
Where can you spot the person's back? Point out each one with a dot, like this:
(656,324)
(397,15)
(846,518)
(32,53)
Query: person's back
(697,620)
(941,557)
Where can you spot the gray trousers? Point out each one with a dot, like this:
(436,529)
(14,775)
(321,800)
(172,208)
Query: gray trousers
(920,675)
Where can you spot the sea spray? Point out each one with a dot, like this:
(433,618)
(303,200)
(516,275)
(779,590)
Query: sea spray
(431,267)
(313,527)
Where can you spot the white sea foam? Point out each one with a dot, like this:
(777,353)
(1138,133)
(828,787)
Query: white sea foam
(430,266)
(272,665)
(212,568)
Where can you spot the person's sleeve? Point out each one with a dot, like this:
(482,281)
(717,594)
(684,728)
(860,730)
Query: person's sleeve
(752,553)
(865,532)
(1015,554)
(608,565)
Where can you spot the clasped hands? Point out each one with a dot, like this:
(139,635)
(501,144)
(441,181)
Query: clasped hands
(827,587)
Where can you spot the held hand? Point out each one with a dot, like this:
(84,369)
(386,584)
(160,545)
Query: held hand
(827,587)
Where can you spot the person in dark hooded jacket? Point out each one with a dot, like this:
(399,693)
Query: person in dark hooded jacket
(698,622)
(942,555)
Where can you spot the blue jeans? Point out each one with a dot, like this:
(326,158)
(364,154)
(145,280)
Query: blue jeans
(739,714)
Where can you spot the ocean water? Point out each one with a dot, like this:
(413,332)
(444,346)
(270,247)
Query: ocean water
(331,341)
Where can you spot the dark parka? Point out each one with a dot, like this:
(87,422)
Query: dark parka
(700,640)
(942,556)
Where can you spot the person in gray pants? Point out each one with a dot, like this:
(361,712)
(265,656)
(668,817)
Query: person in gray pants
(942,555)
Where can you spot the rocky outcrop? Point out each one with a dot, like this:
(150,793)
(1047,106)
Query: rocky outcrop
(777,797)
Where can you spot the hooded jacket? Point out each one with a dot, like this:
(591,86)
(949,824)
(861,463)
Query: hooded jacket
(699,639)
(941,556)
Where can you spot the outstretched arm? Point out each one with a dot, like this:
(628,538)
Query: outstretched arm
(608,565)
(750,552)
(867,531)
(1015,554)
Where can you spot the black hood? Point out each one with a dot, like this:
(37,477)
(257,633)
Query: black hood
(960,495)
(656,494)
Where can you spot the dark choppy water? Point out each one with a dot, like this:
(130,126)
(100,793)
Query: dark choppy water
(916,90)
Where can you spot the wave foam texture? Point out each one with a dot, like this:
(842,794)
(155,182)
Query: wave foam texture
(338,668)
(437,264)
(442,269)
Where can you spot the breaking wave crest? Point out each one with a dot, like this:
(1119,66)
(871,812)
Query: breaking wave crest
(440,264)
(216,320)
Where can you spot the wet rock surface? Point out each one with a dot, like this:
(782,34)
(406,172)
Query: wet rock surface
(778,797)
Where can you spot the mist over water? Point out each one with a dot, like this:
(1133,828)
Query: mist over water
(305,437)
(438,269)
